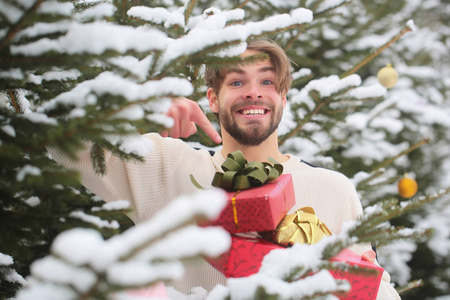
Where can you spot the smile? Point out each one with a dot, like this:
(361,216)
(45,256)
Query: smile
(253,112)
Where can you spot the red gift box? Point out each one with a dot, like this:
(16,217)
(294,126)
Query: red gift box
(257,209)
(364,286)
(246,255)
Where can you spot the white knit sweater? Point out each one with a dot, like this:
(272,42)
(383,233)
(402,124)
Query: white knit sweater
(164,175)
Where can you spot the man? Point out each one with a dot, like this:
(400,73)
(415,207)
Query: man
(249,100)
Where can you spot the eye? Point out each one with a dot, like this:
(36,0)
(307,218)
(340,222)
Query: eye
(267,82)
(236,83)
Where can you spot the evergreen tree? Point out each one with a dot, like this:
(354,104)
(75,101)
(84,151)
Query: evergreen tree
(104,71)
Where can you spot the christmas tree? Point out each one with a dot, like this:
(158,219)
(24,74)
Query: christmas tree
(104,72)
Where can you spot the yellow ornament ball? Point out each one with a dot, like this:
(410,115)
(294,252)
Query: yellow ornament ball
(387,76)
(407,187)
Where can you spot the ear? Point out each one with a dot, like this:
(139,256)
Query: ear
(284,100)
(213,100)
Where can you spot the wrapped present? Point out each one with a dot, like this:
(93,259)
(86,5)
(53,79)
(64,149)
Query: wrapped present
(258,196)
(155,291)
(246,254)
(363,286)
(256,209)
(303,227)
(244,257)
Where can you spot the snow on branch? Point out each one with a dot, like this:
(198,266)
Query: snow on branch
(113,84)
(95,38)
(83,263)
(218,33)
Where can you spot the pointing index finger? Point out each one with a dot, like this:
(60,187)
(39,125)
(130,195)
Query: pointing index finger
(202,121)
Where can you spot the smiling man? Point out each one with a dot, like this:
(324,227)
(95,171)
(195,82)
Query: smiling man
(249,100)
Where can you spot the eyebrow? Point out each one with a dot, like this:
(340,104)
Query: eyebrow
(241,71)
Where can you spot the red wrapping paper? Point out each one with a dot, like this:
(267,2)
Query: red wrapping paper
(364,286)
(257,209)
(246,255)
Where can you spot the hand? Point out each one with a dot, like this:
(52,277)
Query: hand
(369,256)
(186,113)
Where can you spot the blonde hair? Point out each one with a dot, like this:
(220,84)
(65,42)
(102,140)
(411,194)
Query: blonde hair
(214,76)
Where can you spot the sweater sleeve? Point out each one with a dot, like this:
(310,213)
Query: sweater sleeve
(129,180)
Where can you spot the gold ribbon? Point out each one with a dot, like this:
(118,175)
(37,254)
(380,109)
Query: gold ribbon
(303,227)
(235,216)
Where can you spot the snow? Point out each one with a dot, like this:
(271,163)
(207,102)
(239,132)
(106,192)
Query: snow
(11,13)
(33,201)
(56,8)
(277,265)
(137,273)
(326,87)
(98,11)
(164,120)
(180,211)
(15,74)
(77,245)
(228,16)
(319,282)
(157,15)
(136,144)
(46,291)
(97,221)
(27,170)
(41,28)
(143,254)
(375,148)
(37,117)
(372,91)
(394,258)
(214,27)
(115,205)
(132,113)
(9,130)
(82,279)
(96,38)
(78,253)
(411,25)
(303,72)
(5,260)
(59,75)
(137,67)
(113,84)
(12,276)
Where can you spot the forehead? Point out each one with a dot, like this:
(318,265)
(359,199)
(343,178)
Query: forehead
(263,65)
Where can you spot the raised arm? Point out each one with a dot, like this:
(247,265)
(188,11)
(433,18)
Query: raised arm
(186,115)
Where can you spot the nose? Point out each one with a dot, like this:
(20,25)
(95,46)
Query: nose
(252,91)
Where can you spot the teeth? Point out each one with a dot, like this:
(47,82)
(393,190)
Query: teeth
(258,111)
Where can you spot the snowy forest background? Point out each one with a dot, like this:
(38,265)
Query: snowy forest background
(103,71)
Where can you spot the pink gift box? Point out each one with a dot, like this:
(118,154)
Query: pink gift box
(157,290)
(257,209)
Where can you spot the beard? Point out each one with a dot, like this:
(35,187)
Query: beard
(253,134)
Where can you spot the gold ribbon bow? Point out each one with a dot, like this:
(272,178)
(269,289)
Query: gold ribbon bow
(303,227)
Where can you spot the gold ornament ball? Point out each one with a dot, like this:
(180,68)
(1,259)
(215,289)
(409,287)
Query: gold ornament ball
(407,187)
(387,76)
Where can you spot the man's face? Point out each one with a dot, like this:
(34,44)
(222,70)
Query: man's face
(248,103)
